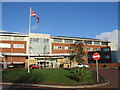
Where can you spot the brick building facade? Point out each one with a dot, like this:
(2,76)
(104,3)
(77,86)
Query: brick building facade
(12,48)
(63,44)
(48,51)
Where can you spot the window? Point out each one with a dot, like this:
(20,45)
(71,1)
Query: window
(97,49)
(96,43)
(58,47)
(89,56)
(57,40)
(89,49)
(107,56)
(79,41)
(106,49)
(68,41)
(5,38)
(18,45)
(5,45)
(88,42)
(34,39)
(104,43)
(68,48)
(46,40)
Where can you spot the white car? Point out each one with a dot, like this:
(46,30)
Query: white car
(81,65)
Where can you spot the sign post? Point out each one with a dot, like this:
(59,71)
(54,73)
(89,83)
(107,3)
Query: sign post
(96,56)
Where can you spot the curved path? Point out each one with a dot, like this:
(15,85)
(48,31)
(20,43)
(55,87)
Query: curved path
(111,75)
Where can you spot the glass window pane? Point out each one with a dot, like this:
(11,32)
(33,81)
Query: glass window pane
(88,42)
(57,40)
(107,56)
(89,49)
(96,43)
(68,41)
(106,49)
(104,43)
(97,49)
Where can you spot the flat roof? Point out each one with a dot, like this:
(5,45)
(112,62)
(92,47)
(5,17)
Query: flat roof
(79,38)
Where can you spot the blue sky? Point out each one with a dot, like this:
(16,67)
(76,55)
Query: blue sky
(77,19)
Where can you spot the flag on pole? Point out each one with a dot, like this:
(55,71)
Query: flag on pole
(35,15)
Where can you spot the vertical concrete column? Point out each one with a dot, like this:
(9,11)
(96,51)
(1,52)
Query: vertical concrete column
(63,41)
(50,46)
(5,63)
(73,41)
(92,42)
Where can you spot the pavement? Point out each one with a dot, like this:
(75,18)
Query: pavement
(111,75)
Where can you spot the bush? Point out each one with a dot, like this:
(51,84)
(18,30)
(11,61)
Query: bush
(81,75)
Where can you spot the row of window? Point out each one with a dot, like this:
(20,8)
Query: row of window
(61,48)
(5,45)
(86,42)
(97,49)
(86,48)
(12,38)
(39,40)
(105,56)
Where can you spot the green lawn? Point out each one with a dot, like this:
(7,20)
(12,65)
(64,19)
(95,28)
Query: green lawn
(44,76)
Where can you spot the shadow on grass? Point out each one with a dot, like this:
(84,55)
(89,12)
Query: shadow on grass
(26,78)
(73,77)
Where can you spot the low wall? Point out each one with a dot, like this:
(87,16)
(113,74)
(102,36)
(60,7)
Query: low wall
(103,64)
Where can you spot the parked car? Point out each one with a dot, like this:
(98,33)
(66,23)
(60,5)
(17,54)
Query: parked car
(10,66)
(35,66)
(81,65)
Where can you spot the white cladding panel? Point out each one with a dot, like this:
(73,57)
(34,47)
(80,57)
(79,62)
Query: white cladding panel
(5,45)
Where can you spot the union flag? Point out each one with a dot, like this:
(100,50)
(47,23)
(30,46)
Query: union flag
(35,15)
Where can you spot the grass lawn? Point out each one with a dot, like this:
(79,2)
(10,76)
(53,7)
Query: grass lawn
(44,76)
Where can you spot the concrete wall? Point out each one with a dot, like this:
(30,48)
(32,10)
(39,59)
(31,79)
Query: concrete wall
(31,61)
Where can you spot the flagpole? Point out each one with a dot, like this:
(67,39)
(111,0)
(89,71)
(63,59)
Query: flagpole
(29,41)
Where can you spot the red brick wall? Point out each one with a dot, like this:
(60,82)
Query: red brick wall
(54,51)
(102,64)
(66,51)
(15,59)
(13,50)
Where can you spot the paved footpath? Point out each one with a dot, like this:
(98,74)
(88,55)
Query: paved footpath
(111,75)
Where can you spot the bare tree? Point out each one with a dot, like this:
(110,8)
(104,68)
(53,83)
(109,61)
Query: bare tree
(77,53)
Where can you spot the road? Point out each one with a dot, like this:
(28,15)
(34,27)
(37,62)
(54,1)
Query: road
(111,75)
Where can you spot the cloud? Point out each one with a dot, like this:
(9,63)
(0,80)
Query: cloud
(34,26)
(109,36)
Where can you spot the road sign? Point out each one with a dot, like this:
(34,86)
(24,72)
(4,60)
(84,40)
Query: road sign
(96,56)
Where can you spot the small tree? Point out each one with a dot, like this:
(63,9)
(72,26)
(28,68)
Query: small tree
(78,55)
(79,52)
